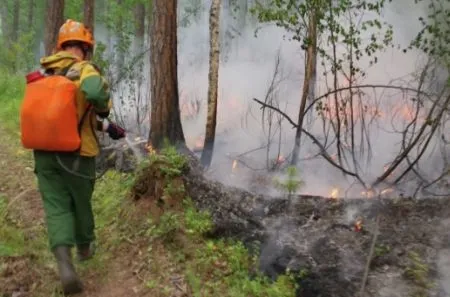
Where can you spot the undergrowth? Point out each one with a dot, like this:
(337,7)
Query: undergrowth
(11,92)
(209,267)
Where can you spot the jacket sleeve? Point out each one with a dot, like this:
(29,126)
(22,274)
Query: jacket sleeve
(96,90)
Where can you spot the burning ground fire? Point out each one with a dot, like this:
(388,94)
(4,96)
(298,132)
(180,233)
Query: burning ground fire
(334,193)
(234,166)
(358,225)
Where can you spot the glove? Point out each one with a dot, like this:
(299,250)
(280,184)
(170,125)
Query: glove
(115,131)
(102,115)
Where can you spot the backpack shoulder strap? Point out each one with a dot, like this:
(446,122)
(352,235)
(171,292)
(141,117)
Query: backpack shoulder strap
(67,68)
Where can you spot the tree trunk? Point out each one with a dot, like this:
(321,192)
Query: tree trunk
(139,14)
(214,53)
(165,120)
(138,47)
(89,15)
(120,58)
(31,5)
(15,24)
(55,19)
(89,19)
(308,83)
(5,26)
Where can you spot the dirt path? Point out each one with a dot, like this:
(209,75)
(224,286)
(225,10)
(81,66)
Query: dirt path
(33,273)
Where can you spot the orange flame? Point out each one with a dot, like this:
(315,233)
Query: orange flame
(358,225)
(280,159)
(234,166)
(150,149)
(334,193)
(386,191)
(368,194)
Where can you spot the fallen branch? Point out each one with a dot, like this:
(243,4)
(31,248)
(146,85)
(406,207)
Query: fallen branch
(369,257)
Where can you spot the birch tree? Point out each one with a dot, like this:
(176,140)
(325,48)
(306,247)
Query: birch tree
(211,121)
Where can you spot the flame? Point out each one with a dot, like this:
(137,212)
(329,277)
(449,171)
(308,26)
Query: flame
(150,149)
(199,143)
(358,225)
(368,194)
(334,193)
(280,159)
(398,110)
(386,191)
(233,168)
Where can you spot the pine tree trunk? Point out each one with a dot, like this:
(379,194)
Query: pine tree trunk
(310,69)
(31,5)
(165,122)
(89,14)
(139,14)
(211,121)
(54,20)
(5,26)
(15,24)
(138,47)
(89,18)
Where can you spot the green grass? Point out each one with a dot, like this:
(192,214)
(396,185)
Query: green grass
(11,93)
(209,267)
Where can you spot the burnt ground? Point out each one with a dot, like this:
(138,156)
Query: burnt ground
(327,242)
(314,237)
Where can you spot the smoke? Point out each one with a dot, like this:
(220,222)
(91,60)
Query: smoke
(246,70)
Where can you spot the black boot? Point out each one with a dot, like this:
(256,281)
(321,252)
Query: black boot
(70,282)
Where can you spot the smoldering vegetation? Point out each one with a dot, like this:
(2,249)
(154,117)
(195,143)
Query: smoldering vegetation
(384,143)
(393,143)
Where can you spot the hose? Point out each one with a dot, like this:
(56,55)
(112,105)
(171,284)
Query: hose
(77,160)
(73,172)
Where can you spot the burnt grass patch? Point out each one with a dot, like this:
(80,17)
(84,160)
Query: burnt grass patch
(324,244)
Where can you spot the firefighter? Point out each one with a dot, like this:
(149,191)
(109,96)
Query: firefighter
(66,180)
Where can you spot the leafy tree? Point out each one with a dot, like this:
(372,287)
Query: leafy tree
(321,26)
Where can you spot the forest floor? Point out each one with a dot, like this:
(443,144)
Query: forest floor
(27,267)
(141,250)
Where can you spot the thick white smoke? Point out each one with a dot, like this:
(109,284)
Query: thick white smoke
(246,69)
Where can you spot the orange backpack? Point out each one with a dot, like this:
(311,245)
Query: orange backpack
(48,115)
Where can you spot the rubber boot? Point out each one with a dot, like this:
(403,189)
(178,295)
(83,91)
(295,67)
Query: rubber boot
(70,281)
(85,251)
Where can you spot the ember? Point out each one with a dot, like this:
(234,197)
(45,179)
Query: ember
(150,149)
(334,193)
(233,168)
(280,160)
(358,225)
(368,194)
(387,191)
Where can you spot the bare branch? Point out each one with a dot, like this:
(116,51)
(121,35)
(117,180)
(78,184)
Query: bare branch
(323,151)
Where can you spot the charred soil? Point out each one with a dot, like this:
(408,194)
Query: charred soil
(329,244)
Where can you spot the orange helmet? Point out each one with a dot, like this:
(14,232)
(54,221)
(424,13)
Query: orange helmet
(74,31)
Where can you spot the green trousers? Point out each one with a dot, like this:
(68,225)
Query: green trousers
(66,196)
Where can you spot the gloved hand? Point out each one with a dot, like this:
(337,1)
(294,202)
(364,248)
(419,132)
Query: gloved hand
(115,131)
